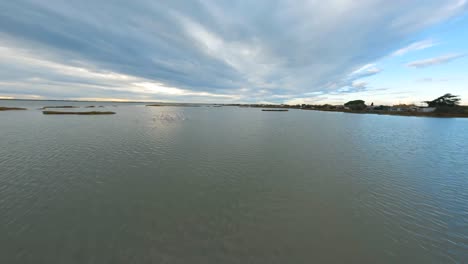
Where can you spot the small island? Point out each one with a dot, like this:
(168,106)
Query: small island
(77,113)
(2,108)
(175,105)
(59,106)
(275,110)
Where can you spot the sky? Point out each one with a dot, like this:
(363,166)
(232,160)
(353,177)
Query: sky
(224,51)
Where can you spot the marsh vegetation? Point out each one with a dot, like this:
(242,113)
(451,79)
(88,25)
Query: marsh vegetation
(2,108)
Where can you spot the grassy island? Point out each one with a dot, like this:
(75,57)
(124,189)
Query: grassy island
(11,108)
(77,113)
(176,105)
(275,110)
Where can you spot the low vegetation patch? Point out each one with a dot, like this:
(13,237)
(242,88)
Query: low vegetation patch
(452,109)
(59,106)
(175,105)
(11,108)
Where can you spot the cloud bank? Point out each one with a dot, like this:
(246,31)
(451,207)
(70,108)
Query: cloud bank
(205,50)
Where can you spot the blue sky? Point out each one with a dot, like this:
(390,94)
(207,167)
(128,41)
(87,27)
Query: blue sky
(278,51)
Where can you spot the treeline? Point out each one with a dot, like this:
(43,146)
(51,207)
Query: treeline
(447,103)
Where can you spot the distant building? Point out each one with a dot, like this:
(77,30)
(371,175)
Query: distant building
(395,109)
(371,107)
(404,108)
(426,109)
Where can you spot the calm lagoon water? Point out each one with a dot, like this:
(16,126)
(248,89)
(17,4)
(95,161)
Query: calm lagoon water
(231,185)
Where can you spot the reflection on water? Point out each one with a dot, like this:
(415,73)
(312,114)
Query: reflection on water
(170,117)
(231,185)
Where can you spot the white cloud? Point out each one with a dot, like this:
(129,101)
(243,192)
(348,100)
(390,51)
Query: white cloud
(430,80)
(249,58)
(159,88)
(366,70)
(434,61)
(420,45)
(58,74)
(359,84)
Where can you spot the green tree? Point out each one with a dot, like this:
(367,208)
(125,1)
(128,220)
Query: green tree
(356,105)
(445,100)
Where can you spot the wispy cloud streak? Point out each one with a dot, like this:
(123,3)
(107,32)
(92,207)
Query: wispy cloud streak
(420,45)
(435,61)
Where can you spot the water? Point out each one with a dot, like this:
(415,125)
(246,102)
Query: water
(231,185)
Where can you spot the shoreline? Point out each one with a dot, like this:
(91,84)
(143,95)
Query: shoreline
(272,108)
(395,113)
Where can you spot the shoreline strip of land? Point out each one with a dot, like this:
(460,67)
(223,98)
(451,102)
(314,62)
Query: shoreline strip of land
(76,113)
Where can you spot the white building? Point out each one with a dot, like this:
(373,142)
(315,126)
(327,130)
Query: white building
(426,109)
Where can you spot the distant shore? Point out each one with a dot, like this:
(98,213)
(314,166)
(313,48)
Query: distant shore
(461,111)
(367,111)
(417,114)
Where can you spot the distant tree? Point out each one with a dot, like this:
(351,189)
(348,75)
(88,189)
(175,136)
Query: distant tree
(446,100)
(356,105)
